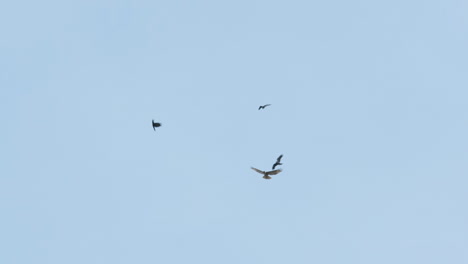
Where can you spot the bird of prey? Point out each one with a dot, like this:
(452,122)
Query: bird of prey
(266,174)
(156,125)
(263,106)
(278,162)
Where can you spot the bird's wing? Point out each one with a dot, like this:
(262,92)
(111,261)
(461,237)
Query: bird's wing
(257,170)
(274,165)
(266,105)
(278,160)
(274,172)
(260,107)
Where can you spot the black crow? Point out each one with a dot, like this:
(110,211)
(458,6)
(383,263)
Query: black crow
(278,162)
(156,125)
(263,106)
(266,173)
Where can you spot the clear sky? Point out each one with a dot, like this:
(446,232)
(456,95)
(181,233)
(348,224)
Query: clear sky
(369,108)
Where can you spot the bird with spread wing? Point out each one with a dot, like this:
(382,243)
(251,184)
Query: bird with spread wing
(263,106)
(266,174)
(278,162)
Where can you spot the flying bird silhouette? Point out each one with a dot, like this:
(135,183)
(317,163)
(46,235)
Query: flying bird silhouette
(266,174)
(278,162)
(156,125)
(263,106)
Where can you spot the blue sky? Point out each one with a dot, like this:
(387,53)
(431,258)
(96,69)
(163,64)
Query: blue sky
(368,107)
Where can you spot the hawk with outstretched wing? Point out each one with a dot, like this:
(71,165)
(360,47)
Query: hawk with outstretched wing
(266,174)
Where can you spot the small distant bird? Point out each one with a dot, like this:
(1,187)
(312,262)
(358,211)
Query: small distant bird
(278,162)
(156,125)
(263,106)
(266,174)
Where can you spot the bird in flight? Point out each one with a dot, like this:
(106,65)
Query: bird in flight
(263,106)
(156,125)
(266,174)
(278,162)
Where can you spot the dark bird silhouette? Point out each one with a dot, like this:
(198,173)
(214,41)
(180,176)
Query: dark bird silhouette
(156,125)
(278,162)
(263,106)
(266,174)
